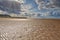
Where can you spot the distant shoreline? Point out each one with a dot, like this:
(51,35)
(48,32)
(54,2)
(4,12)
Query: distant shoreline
(15,17)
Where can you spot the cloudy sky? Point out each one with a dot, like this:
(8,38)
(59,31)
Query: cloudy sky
(32,8)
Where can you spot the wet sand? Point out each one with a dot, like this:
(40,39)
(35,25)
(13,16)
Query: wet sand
(29,29)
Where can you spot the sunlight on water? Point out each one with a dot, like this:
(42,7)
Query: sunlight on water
(19,19)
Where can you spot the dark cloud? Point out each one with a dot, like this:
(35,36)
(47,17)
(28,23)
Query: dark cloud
(10,6)
(56,3)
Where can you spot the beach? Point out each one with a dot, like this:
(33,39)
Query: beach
(29,29)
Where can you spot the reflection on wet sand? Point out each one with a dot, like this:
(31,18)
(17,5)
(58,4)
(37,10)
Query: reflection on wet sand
(29,29)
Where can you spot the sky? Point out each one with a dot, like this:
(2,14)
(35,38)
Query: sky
(33,8)
(43,5)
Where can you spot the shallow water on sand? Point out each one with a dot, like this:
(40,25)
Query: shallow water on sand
(29,29)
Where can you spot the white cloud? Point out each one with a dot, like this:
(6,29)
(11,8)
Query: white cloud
(51,4)
(20,1)
(25,8)
(40,4)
